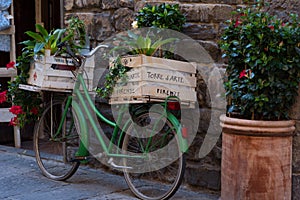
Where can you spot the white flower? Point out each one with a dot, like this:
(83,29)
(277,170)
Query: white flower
(134,24)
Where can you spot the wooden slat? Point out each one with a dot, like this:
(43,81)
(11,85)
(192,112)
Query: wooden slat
(146,99)
(5,115)
(7,72)
(161,63)
(9,31)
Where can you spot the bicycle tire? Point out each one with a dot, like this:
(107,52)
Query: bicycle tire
(54,154)
(153,184)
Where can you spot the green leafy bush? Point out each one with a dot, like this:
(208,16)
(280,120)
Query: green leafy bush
(263,64)
(161,16)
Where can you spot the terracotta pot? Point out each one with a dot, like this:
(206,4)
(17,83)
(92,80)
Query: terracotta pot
(256,159)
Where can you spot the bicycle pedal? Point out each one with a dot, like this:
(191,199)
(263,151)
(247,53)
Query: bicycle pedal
(80,158)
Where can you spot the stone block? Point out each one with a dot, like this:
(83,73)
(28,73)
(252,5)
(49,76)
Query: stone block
(221,13)
(87,3)
(196,12)
(68,5)
(102,26)
(213,49)
(296,154)
(110,4)
(294,113)
(123,18)
(205,176)
(200,31)
(296,187)
(126,3)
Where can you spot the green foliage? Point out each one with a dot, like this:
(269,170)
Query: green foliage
(138,44)
(263,64)
(43,39)
(116,72)
(29,101)
(77,33)
(161,16)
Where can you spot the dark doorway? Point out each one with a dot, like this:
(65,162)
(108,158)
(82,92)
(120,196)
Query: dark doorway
(24,11)
(51,14)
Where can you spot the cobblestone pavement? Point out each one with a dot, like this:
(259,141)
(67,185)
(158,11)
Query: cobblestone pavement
(21,179)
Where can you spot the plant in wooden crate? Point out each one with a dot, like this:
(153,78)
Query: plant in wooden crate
(158,17)
(262,78)
(74,34)
(26,104)
(131,44)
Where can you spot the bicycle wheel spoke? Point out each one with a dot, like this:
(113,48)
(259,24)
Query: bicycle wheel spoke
(159,174)
(55,149)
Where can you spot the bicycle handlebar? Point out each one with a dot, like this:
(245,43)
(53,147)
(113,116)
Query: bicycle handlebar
(93,51)
(77,59)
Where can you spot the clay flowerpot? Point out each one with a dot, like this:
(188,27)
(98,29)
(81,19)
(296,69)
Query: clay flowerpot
(256,159)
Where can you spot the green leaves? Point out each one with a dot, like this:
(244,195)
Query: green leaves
(161,16)
(42,39)
(268,47)
(139,44)
(116,72)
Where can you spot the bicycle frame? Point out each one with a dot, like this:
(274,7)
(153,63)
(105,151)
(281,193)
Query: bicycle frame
(78,111)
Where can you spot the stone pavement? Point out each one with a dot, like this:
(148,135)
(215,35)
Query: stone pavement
(21,179)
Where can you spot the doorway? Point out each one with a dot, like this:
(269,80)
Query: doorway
(26,14)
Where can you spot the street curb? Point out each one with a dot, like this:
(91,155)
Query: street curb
(15,150)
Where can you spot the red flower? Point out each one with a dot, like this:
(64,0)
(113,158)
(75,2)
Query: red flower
(3,96)
(271,27)
(16,110)
(34,111)
(13,121)
(237,22)
(243,74)
(10,65)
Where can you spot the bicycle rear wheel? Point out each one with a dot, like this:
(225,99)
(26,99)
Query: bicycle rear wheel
(160,173)
(54,151)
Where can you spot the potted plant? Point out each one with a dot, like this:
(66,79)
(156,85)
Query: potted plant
(141,71)
(148,46)
(26,105)
(262,78)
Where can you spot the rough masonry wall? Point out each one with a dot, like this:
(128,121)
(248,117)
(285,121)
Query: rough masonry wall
(205,22)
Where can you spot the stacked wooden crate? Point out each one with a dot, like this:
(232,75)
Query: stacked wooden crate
(50,72)
(153,79)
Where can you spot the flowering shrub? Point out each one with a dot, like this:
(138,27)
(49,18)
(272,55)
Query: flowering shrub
(25,104)
(3,97)
(263,69)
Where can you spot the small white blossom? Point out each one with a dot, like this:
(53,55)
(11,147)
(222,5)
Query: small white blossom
(134,24)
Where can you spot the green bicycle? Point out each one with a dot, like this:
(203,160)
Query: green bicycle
(146,142)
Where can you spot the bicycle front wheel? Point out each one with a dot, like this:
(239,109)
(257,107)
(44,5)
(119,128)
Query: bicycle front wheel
(159,174)
(54,150)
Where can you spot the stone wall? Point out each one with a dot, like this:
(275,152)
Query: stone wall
(283,8)
(205,22)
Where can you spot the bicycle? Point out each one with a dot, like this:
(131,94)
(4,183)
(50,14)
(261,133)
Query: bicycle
(56,138)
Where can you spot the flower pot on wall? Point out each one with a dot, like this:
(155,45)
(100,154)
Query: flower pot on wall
(256,159)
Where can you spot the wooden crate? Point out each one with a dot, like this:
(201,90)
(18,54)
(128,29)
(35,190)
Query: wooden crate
(51,72)
(154,79)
